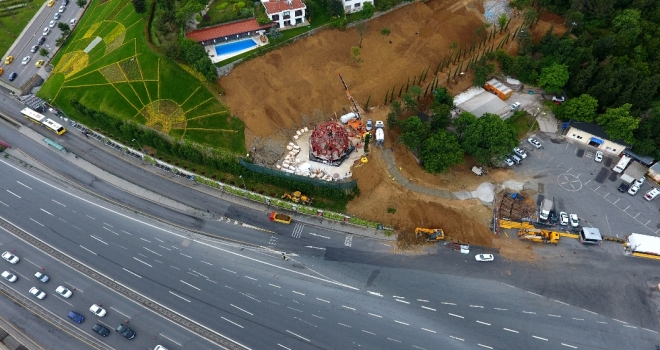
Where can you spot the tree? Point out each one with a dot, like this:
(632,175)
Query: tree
(619,124)
(362,28)
(488,137)
(440,152)
(463,122)
(581,109)
(413,133)
(441,116)
(274,33)
(502,20)
(140,6)
(81,3)
(368,10)
(43,52)
(554,78)
(442,96)
(64,28)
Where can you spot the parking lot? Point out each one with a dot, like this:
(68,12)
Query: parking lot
(566,171)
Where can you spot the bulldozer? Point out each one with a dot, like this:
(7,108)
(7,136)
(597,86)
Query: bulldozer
(432,234)
(539,236)
(297,197)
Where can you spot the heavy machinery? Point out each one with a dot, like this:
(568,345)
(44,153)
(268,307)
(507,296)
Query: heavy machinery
(282,218)
(540,236)
(432,234)
(297,197)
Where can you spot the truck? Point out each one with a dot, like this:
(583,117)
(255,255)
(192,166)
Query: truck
(432,234)
(478,170)
(546,206)
(622,164)
(539,236)
(380,137)
(281,218)
(627,178)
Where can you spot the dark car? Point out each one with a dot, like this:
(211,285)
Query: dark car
(76,317)
(624,187)
(125,331)
(34,48)
(41,40)
(13,76)
(554,218)
(101,330)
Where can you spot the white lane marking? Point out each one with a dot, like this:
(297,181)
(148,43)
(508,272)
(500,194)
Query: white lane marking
(165,248)
(620,321)
(313,247)
(417,347)
(374,315)
(402,301)
(276,286)
(374,293)
(98,240)
(254,279)
(131,272)
(487,324)
(178,296)
(3,203)
(228,270)
(57,203)
(396,296)
(485,346)
(289,307)
(187,256)
(629,326)
(446,303)
(232,322)
(578,319)
(90,217)
(457,338)
(174,267)
(570,346)
(64,300)
(88,250)
(551,315)
(398,341)
(301,320)
(161,334)
(298,292)
(601,322)
(369,332)
(184,282)
(151,251)
(318,317)
(529,312)
(158,261)
(317,235)
(497,308)
(46,212)
(459,316)
(159,240)
(247,312)
(14,194)
(646,329)
(403,323)
(561,302)
(140,254)
(207,263)
(427,308)
(591,312)
(270,301)
(423,301)
(38,223)
(348,307)
(249,296)
(20,183)
(142,261)
(533,336)
(130,234)
(510,330)
(145,240)
(121,313)
(533,293)
(345,325)
(282,346)
(428,330)
(301,337)
(477,306)
(325,301)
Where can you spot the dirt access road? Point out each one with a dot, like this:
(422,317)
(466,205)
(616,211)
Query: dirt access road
(272,93)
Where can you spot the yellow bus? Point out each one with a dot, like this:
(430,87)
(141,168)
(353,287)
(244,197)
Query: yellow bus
(41,119)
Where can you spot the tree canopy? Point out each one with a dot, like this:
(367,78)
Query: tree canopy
(582,108)
(488,137)
(440,152)
(618,123)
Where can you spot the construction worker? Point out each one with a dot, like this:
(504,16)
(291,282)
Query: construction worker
(284,257)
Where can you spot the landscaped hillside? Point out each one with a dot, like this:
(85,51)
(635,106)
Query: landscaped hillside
(108,66)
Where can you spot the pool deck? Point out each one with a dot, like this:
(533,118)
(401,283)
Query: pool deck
(210,49)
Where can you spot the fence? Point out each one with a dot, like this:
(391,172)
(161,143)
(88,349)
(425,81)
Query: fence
(316,182)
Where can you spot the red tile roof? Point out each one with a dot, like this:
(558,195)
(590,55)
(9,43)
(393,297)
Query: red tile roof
(277,6)
(223,30)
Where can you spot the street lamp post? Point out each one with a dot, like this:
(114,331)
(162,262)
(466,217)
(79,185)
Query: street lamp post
(136,141)
(241,177)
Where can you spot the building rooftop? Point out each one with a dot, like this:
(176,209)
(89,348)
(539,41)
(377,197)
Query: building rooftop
(594,129)
(224,30)
(277,6)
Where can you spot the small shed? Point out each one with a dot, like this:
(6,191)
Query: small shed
(590,235)
(654,172)
(644,244)
(498,88)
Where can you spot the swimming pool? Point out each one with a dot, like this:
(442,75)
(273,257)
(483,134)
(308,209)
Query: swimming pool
(226,49)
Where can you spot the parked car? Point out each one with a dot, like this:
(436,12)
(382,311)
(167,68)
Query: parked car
(125,331)
(515,159)
(13,76)
(41,277)
(563,218)
(639,182)
(25,60)
(11,258)
(515,106)
(62,9)
(599,156)
(73,22)
(650,195)
(41,40)
(534,142)
(101,330)
(573,218)
(64,292)
(51,3)
(624,187)
(508,161)
(2,70)
(10,277)
(34,48)
(39,63)
(160,347)
(558,98)
(37,293)
(554,218)
(370,125)
(379,124)
(57,16)
(97,310)
(633,189)
(484,257)
(76,317)
(9,59)
(46,31)
(520,152)
(52,24)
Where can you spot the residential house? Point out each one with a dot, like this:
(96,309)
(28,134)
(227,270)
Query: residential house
(351,6)
(285,13)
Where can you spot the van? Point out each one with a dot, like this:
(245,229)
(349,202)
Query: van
(515,159)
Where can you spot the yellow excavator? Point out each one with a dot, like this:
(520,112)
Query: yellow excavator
(539,236)
(432,234)
(297,197)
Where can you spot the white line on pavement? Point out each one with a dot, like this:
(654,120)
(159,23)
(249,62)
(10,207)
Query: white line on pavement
(487,324)
(282,346)
(402,301)
(46,212)
(369,332)
(161,334)
(345,325)
(88,250)
(485,346)
(142,261)
(293,291)
(533,336)
(477,306)
(570,346)
(228,270)
(510,330)
(457,338)
(234,323)
(403,323)
(184,282)
(459,316)
(247,312)
(178,296)
(374,315)
(427,308)
(301,337)
(348,307)
(446,303)
(428,330)
(551,315)
(325,301)
(254,279)
(132,273)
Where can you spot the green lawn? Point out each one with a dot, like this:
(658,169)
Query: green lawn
(523,123)
(122,76)
(14,21)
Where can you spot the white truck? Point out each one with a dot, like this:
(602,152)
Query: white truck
(622,164)
(546,206)
(380,134)
(627,178)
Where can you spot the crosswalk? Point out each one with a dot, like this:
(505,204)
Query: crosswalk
(297,230)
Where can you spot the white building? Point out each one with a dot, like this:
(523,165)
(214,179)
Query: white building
(351,6)
(285,13)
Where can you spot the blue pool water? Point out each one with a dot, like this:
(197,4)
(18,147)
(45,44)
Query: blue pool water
(235,46)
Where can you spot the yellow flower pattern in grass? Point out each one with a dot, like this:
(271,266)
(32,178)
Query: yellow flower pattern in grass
(131,69)
(119,40)
(91,30)
(164,115)
(116,32)
(113,73)
(193,72)
(72,63)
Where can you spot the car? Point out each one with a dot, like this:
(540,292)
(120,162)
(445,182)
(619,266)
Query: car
(51,3)
(57,16)
(52,24)
(25,60)
(125,331)
(46,31)
(62,9)
(563,218)
(41,40)
(41,277)
(484,257)
(64,291)
(73,21)
(515,106)
(650,195)
(508,161)
(520,152)
(13,76)
(65,2)
(101,330)
(9,59)
(558,98)
(633,190)
(370,125)
(534,142)
(515,158)
(37,293)
(11,258)
(76,317)
(10,277)
(39,63)
(97,310)
(379,124)
(573,218)
(34,48)
(599,156)
(554,218)
(160,347)
(639,182)
(624,187)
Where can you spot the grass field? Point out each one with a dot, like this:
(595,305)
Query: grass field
(14,21)
(108,66)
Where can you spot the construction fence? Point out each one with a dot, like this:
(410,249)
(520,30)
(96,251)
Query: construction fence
(343,185)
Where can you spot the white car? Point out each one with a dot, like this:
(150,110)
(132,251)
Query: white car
(484,257)
(57,16)
(599,156)
(160,347)
(97,310)
(508,161)
(520,152)
(73,22)
(62,8)
(515,106)
(52,24)
(558,98)
(534,142)
(370,125)
(639,182)
(633,190)
(11,258)
(651,194)
(563,218)
(573,218)
(379,124)
(25,60)
(46,31)
(9,276)
(64,291)
(37,293)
